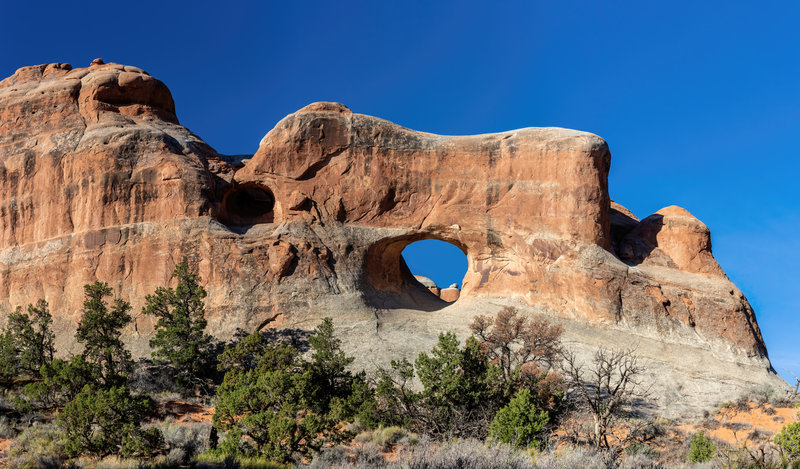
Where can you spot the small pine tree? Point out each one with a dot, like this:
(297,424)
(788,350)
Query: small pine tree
(8,359)
(100,330)
(329,374)
(520,423)
(460,391)
(32,337)
(26,343)
(180,339)
(701,448)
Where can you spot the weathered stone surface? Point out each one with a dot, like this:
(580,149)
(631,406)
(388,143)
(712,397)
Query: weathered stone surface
(450,294)
(429,284)
(99,181)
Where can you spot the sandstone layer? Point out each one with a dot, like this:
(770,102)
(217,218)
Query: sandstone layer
(99,181)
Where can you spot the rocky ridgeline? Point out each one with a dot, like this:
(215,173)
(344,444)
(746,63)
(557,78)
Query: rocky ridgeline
(99,181)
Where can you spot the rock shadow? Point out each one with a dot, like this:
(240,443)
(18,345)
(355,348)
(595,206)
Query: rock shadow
(638,243)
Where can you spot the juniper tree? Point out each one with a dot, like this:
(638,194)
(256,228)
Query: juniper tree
(459,394)
(100,332)
(105,421)
(180,339)
(274,403)
(8,353)
(520,422)
(31,337)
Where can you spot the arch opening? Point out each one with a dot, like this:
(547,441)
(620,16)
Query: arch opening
(248,204)
(438,266)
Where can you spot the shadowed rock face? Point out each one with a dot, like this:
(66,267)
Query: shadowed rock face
(99,181)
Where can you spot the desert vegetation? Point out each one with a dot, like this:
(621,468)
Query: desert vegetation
(510,395)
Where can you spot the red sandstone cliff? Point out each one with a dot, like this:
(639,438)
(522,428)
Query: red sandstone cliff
(99,181)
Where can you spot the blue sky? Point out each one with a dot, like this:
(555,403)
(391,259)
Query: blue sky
(699,101)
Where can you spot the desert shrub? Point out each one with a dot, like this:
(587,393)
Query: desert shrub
(365,456)
(39,446)
(214,460)
(468,453)
(183,441)
(7,430)
(385,437)
(180,340)
(459,395)
(277,405)
(788,440)
(102,422)
(61,381)
(701,448)
(519,423)
(639,460)
(572,458)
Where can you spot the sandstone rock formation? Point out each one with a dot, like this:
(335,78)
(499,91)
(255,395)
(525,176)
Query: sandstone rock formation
(99,181)
(429,284)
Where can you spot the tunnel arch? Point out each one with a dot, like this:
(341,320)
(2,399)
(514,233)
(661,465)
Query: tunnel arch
(438,265)
(248,204)
(388,272)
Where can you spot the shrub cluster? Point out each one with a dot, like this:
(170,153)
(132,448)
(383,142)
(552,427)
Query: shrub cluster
(491,401)
(97,412)
(274,403)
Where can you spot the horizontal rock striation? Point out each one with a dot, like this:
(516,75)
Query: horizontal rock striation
(98,180)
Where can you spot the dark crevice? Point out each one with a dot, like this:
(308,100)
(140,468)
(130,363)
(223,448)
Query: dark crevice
(247,205)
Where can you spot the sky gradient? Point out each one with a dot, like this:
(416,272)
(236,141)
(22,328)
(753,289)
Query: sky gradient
(699,104)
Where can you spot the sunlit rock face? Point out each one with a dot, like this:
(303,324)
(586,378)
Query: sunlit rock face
(99,181)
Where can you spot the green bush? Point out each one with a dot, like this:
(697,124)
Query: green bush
(788,440)
(701,448)
(460,391)
(102,422)
(520,423)
(272,403)
(61,381)
(8,354)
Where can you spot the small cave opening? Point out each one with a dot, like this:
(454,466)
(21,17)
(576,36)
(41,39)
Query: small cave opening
(248,204)
(438,265)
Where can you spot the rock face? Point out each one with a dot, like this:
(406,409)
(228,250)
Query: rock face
(99,181)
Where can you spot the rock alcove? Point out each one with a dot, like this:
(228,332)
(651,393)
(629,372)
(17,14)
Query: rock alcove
(248,204)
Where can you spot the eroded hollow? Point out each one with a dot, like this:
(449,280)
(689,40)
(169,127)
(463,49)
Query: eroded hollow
(389,272)
(248,204)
